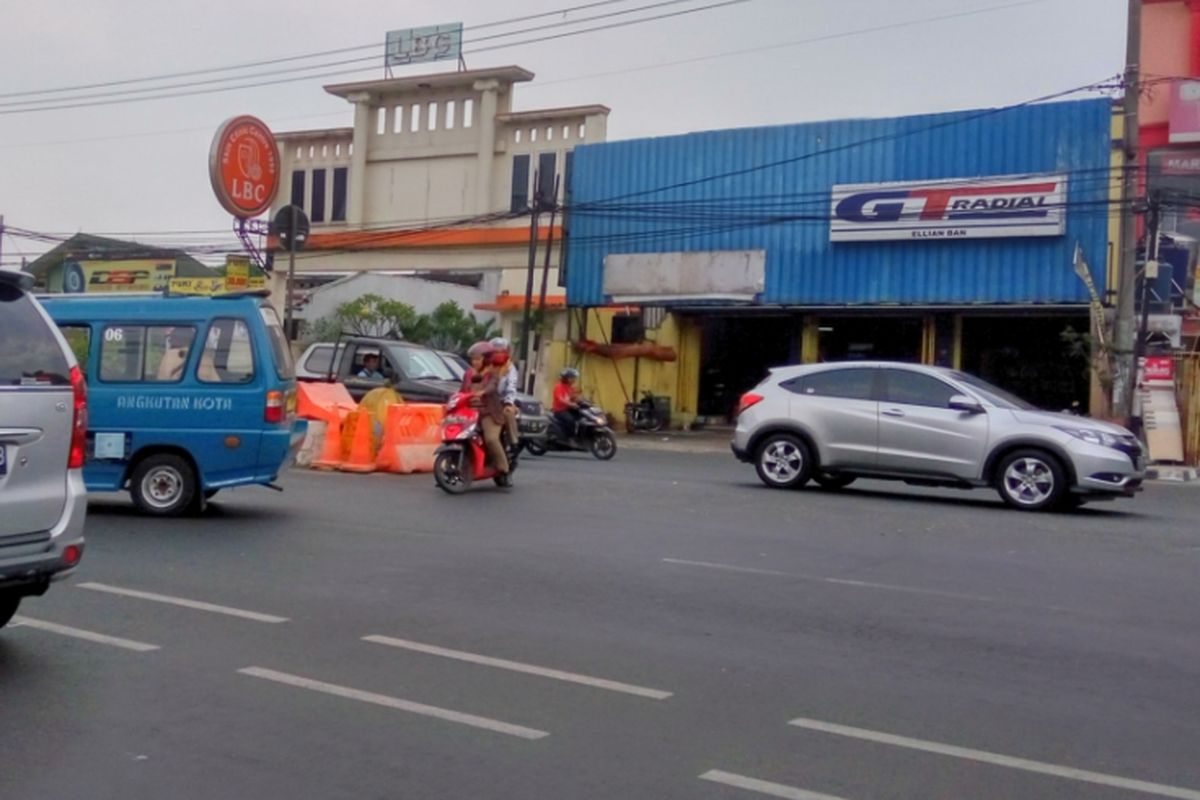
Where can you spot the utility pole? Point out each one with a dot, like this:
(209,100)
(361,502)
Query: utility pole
(535,213)
(1150,276)
(537,337)
(1124,333)
(289,290)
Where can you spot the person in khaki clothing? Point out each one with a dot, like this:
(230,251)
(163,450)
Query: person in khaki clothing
(491,411)
(509,379)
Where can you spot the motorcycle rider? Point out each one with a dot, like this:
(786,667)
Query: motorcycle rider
(476,355)
(566,402)
(491,410)
(508,388)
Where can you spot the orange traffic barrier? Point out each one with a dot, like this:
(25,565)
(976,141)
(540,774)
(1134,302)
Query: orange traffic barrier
(322,401)
(361,457)
(411,435)
(331,453)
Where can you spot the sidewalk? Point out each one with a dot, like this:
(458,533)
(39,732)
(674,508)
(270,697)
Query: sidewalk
(712,440)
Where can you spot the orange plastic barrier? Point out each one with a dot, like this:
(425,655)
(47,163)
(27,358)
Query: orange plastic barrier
(361,456)
(322,401)
(410,437)
(331,453)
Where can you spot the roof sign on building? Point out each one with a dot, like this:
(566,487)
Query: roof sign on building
(419,45)
(243,166)
(1184,125)
(961,208)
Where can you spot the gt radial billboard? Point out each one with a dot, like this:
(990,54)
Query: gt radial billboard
(960,208)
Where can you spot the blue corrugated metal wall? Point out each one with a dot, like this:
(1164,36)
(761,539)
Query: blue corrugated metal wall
(803,267)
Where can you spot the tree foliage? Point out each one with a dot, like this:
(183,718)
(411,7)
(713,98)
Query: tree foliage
(447,327)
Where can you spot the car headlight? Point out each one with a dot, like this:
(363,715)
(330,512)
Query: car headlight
(1092,436)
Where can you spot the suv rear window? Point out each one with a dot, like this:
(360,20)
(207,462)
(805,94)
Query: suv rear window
(30,354)
(281,354)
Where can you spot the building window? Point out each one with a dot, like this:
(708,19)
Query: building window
(398,119)
(414,118)
(431,119)
(520,184)
(468,112)
(517,136)
(627,329)
(298,188)
(381,121)
(547,163)
(318,196)
(451,112)
(338,212)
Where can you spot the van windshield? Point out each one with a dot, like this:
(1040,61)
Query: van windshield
(281,354)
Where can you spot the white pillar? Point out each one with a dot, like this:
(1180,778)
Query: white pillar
(356,189)
(486,121)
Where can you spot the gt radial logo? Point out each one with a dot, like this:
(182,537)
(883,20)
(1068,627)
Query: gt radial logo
(962,208)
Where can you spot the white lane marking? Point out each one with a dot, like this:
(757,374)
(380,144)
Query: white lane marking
(180,601)
(1041,767)
(496,726)
(78,633)
(763,787)
(888,587)
(516,666)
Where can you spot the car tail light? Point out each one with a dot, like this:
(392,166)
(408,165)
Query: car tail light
(71,554)
(79,420)
(749,399)
(275,409)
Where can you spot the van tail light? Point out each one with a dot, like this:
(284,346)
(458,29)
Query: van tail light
(276,409)
(79,420)
(749,399)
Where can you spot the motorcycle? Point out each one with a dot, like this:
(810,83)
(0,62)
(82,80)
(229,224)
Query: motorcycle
(462,457)
(644,415)
(594,436)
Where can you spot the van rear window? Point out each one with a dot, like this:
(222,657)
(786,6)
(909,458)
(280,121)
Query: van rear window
(30,354)
(281,353)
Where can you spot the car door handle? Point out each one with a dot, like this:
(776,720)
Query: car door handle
(892,412)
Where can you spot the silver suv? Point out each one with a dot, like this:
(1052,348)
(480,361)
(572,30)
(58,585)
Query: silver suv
(832,423)
(43,441)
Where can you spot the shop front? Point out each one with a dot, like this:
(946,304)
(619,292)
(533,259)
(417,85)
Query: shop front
(954,239)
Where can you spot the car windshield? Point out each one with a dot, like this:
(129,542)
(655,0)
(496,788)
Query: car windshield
(453,364)
(993,394)
(420,364)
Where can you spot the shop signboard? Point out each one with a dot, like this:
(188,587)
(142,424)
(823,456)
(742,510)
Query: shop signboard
(243,166)
(419,45)
(959,208)
(1184,124)
(100,277)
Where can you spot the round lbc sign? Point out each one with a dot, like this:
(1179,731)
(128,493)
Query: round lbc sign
(243,166)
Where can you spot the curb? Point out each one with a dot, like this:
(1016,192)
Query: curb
(1171,474)
(672,444)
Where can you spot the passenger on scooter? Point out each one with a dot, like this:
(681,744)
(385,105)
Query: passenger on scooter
(508,388)
(566,402)
(476,354)
(491,410)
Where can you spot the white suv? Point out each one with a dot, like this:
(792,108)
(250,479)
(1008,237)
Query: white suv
(43,442)
(929,426)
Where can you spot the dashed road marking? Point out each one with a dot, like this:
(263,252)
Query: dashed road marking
(1041,767)
(79,633)
(484,723)
(516,666)
(763,787)
(183,602)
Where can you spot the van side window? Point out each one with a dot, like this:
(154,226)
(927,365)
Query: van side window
(143,354)
(79,338)
(228,356)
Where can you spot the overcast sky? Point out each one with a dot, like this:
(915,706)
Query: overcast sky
(142,166)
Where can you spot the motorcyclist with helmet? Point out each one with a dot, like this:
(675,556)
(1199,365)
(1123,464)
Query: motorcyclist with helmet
(484,384)
(566,402)
(509,381)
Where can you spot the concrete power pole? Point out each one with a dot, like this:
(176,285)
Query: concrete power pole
(1125,327)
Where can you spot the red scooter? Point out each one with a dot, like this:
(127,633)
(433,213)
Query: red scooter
(462,458)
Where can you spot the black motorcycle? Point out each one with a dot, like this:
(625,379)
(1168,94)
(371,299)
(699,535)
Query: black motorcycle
(644,415)
(594,435)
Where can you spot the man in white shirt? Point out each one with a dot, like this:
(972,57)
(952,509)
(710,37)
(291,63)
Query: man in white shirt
(508,390)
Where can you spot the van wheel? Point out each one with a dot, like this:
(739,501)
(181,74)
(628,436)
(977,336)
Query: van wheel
(1031,480)
(164,485)
(9,603)
(783,462)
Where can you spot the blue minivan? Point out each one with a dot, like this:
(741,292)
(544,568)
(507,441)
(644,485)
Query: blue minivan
(187,395)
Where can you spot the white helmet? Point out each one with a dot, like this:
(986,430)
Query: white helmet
(500,343)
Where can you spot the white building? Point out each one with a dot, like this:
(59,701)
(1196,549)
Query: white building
(436,174)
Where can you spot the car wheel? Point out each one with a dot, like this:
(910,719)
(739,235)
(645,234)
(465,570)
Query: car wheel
(9,603)
(832,482)
(164,485)
(1031,480)
(783,462)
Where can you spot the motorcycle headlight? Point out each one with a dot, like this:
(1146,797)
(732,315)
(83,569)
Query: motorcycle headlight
(601,419)
(1091,436)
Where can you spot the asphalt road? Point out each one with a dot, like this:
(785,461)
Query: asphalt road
(654,627)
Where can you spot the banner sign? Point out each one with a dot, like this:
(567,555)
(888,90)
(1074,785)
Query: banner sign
(243,166)
(418,45)
(1184,119)
(97,277)
(961,208)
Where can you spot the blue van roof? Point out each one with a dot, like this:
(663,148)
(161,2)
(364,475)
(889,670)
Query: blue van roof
(144,307)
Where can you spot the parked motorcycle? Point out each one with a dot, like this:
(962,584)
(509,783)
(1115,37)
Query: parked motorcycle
(644,415)
(594,436)
(462,458)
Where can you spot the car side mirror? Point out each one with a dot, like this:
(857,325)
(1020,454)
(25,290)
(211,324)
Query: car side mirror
(961,402)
